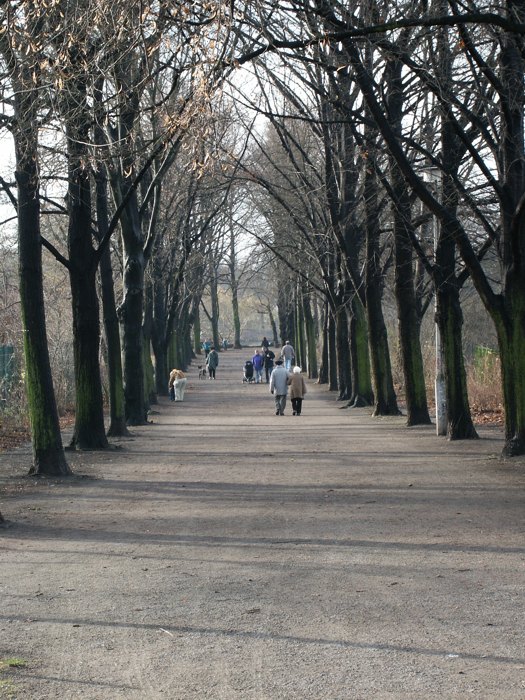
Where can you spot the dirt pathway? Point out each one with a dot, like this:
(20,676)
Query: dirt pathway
(228,553)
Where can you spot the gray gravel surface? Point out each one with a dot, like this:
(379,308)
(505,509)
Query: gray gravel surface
(227,553)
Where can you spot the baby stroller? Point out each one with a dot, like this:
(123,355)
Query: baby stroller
(248,372)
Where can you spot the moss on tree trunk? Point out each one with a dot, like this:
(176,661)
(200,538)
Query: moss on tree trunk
(46,440)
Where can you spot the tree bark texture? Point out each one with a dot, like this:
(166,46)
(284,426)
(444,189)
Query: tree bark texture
(450,321)
(89,431)
(385,400)
(344,376)
(332,352)
(362,393)
(117,417)
(46,440)
(311,339)
(130,314)
(511,339)
(409,321)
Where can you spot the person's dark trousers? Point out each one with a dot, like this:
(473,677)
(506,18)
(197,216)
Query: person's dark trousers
(268,371)
(211,372)
(297,405)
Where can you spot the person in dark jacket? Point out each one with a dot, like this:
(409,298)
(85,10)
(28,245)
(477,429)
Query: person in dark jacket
(212,362)
(269,357)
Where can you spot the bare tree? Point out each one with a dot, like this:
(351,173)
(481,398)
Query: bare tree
(21,51)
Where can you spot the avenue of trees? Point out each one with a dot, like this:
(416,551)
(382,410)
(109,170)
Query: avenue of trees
(360,148)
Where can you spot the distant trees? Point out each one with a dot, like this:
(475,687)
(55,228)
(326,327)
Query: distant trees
(122,84)
(374,127)
(470,72)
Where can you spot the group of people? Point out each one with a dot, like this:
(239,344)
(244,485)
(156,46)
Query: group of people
(279,375)
(178,380)
(264,359)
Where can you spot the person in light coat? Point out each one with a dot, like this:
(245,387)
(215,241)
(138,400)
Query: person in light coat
(297,390)
(279,387)
(287,354)
(177,384)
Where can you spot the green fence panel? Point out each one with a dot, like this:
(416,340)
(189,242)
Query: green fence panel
(7,362)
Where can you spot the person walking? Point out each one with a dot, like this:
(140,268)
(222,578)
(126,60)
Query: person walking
(258,366)
(297,390)
(269,357)
(212,362)
(279,387)
(287,354)
(265,343)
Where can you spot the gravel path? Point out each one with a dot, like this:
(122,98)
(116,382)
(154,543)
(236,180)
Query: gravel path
(227,553)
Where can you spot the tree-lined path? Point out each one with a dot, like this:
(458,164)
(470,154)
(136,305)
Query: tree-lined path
(228,553)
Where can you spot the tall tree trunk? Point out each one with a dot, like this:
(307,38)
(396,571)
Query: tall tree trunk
(150,396)
(450,319)
(332,352)
(273,326)
(89,430)
(405,286)
(324,369)
(117,416)
(344,377)
(300,340)
(362,393)
(46,440)
(409,327)
(214,296)
(234,286)
(159,329)
(449,313)
(508,311)
(510,328)
(285,307)
(130,314)
(236,316)
(384,394)
(197,346)
(311,339)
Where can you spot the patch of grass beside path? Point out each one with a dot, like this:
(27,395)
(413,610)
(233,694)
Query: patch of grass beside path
(8,689)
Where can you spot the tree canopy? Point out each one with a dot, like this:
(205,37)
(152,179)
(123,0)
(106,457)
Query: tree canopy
(364,149)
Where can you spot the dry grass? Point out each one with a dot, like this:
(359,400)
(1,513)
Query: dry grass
(484,387)
(483,382)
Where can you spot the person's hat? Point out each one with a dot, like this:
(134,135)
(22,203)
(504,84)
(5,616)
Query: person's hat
(278,362)
(297,370)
